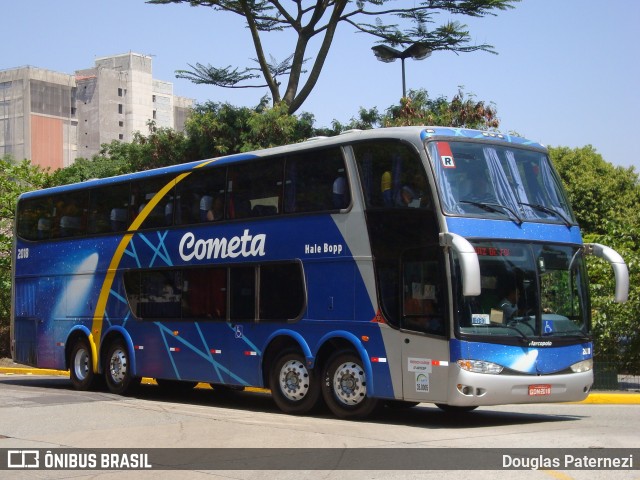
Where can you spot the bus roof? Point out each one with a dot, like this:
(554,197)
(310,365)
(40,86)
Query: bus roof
(407,133)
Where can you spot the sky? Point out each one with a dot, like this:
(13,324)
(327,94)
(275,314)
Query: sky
(567,72)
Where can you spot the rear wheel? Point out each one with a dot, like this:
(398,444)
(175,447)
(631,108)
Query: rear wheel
(81,366)
(344,386)
(294,387)
(118,369)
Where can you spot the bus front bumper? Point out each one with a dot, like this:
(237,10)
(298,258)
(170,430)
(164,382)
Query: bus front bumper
(477,389)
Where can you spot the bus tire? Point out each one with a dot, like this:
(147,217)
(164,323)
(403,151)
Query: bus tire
(81,366)
(118,369)
(294,387)
(344,386)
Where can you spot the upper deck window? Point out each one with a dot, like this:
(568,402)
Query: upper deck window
(497,181)
(392,175)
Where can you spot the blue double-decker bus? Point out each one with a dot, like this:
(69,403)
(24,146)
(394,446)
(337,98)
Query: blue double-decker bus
(401,265)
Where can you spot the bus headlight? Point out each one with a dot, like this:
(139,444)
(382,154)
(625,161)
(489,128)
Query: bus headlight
(583,366)
(479,366)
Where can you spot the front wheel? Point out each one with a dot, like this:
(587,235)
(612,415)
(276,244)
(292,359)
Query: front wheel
(344,386)
(118,373)
(294,387)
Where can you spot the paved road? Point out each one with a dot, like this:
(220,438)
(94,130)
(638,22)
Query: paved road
(45,412)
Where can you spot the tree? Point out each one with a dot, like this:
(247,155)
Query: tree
(15,178)
(605,201)
(322,19)
(463,111)
(216,129)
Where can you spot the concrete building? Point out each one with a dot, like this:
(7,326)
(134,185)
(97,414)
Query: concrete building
(38,116)
(53,118)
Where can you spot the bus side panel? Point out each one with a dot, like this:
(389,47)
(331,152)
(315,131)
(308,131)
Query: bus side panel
(331,289)
(25,338)
(25,321)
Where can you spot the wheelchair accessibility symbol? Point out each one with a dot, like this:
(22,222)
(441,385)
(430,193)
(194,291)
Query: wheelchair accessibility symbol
(238,331)
(548,327)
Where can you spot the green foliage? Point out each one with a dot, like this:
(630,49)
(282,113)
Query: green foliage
(463,111)
(15,178)
(101,166)
(216,129)
(161,148)
(274,127)
(605,200)
(598,190)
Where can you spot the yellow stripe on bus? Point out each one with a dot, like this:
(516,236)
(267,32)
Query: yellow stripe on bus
(96,326)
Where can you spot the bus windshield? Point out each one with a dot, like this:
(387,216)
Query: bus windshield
(497,181)
(528,290)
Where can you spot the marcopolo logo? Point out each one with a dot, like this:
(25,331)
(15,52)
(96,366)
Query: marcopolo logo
(246,245)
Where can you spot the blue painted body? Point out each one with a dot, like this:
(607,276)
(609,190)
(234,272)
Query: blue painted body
(58,286)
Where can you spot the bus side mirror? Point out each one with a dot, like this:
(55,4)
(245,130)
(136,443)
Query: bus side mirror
(620,270)
(469,263)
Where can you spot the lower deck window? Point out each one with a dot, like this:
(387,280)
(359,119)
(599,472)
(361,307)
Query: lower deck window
(258,292)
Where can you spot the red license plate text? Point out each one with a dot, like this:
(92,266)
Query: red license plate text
(535,390)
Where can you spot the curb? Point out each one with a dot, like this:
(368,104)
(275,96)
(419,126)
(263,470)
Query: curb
(595,398)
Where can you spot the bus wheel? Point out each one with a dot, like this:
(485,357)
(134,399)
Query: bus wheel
(344,386)
(81,369)
(293,386)
(454,409)
(118,369)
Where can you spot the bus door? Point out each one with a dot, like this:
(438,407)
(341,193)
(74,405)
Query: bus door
(423,327)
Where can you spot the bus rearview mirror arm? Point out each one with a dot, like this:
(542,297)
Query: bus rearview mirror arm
(469,263)
(620,270)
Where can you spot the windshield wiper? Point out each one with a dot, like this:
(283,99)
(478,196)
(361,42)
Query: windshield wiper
(498,208)
(553,211)
(511,327)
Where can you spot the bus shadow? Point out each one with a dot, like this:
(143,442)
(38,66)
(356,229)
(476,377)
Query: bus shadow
(429,416)
(423,415)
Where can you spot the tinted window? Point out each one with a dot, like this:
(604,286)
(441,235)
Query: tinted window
(255,189)
(109,209)
(200,197)
(392,175)
(281,291)
(316,181)
(143,192)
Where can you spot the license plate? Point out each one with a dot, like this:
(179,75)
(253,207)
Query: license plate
(539,390)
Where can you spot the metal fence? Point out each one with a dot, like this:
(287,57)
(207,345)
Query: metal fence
(608,375)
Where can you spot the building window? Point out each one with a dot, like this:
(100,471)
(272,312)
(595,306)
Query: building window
(119,92)
(119,108)
(153,98)
(121,124)
(120,136)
